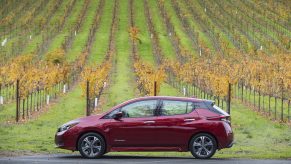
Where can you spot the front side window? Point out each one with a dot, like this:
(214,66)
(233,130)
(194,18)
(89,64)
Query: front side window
(140,109)
(170,107)
(111,114)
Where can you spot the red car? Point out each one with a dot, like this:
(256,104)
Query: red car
(150,124)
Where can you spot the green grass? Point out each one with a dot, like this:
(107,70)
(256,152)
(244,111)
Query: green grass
(54,21)
(168,90)
(32,45)
(145,48)
(38,135)
(122,87)
(20,10)
(256,136)
(7,112)
(196,26)
(184,38)
(37,40)
(217,30)
(265,107)
(101,43)
(8,48)
(263,26)
(69,24)
(166,45)
(80,41)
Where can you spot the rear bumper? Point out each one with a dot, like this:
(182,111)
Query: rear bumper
(226,139)
(230,145)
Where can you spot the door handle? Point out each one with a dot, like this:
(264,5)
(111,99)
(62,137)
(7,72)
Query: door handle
(189,119)
(149,122)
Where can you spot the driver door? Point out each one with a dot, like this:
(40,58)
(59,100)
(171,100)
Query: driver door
(136,128)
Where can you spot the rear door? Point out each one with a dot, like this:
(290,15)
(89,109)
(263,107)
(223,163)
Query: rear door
(175,122)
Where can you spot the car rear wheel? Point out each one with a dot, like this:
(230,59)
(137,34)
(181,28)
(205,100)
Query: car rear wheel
(91,145)
(203,146)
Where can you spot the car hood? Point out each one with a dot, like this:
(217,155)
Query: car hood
(84,121)
(89,118)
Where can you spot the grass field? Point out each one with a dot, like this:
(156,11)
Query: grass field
(255,136)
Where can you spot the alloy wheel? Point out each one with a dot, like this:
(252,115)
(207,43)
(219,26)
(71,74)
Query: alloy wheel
(203,146)
(91,145)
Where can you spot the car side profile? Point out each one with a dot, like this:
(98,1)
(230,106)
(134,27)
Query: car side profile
(158,123)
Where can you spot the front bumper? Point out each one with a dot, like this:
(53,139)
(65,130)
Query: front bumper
(65,140)
(59,141)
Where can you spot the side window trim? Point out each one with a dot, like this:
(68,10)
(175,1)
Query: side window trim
(107,116)
(159,106)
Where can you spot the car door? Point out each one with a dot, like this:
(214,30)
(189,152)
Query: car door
(175,123)
(136,127)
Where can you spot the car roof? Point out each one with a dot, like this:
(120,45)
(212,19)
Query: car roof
(157,98)
(193,99)
(165,98)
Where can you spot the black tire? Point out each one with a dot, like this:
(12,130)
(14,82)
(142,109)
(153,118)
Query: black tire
(89,142)
(201,151)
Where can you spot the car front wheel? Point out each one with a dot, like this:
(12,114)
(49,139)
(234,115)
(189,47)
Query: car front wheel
(91,145)
(203,146)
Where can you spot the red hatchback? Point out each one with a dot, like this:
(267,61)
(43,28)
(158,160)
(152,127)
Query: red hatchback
(150,124)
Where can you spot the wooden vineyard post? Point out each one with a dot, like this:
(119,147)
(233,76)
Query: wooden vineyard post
(275,108)
(282,99)
(242,92)
(155,88)
(87,100)
(23,110)
(228,98)
(259,98)
(269,105)
(17,100)
(289,111)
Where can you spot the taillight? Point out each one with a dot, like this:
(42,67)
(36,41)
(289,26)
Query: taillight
(226,119)
(221,118)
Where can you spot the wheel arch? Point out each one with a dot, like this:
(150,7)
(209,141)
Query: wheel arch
(205,132)
(91,131)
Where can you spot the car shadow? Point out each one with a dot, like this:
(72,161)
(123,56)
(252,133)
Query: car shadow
(118,157)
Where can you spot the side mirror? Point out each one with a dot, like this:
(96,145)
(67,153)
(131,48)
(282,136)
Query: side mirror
(118,115)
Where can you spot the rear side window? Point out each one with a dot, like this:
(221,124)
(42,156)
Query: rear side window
(199,105)
(212,107)
(220,111)
(170,107)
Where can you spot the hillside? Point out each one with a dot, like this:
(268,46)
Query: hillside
(51,50)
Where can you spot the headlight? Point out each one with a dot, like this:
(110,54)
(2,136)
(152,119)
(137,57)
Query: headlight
(67,126)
